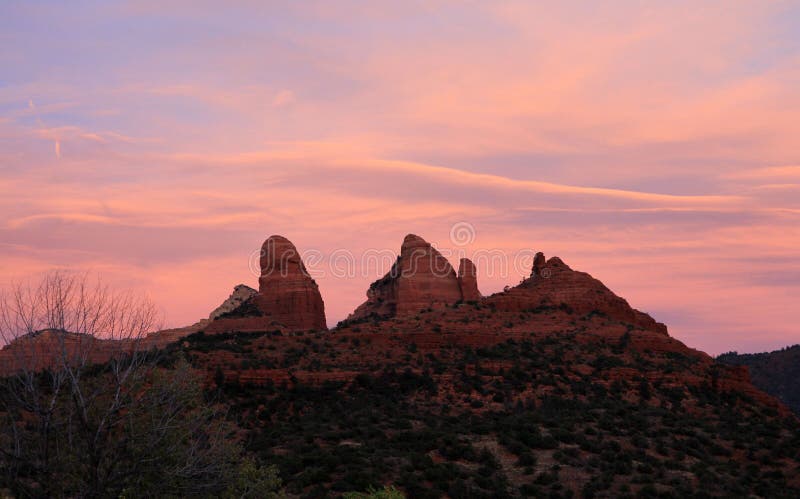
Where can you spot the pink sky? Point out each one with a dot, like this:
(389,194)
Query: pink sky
(653,146)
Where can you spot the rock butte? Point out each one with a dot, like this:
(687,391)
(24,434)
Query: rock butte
(420,278)
(539,261)
(286,292)
(468,280)
(288,298)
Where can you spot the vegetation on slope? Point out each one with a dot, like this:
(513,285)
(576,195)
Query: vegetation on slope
(539,426)
(777,373)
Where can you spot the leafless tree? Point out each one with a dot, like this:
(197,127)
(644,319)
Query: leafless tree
(87,409)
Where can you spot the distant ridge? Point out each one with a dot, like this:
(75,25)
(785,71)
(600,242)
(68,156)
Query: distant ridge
(776,372)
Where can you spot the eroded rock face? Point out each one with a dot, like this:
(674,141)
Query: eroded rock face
(421,278)
(468,280)
(286,292)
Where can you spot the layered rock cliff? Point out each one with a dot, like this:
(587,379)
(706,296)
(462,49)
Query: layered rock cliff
(421,278)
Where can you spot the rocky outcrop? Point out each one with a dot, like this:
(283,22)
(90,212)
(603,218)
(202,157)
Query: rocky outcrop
(554,285)
(241,293)
(539,263)
(286,292)
(288,300)
(240,298)
(420,278)
(468,280)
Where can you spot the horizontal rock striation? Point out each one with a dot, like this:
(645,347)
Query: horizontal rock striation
(421,278)
(286,292)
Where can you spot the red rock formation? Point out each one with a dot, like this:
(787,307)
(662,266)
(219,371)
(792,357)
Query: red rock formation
(578,313)
(554,285)
(539,262)
(286,292)
(468,280)
(421,278)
